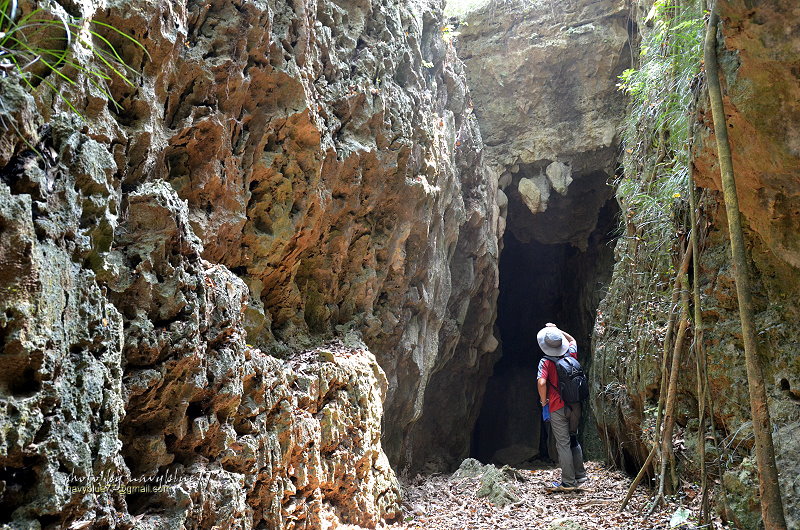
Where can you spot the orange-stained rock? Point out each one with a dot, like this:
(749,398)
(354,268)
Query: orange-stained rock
(280,174)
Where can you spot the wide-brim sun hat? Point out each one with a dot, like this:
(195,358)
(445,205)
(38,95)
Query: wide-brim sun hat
(552,342)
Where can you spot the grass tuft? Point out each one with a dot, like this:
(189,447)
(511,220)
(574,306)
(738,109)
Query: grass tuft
(46,47)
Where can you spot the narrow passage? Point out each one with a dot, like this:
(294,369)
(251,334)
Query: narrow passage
(553,268)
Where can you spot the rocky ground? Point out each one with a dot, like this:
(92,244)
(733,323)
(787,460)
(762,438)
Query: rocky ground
(440,502)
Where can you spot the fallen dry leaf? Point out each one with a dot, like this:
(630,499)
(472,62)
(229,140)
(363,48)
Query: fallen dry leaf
(440,502)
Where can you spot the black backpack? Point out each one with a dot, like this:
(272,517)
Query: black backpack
(572,384)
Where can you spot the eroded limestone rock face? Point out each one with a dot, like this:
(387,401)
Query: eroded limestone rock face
(540,95)
(762,98)
(543,76)
(345,186)
(94,398)
(279,174)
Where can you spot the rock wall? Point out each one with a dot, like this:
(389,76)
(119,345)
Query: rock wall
(158,414)
(279,174)
(544,77)
(758,53)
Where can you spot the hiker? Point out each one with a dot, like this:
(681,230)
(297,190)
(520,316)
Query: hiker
(564,417)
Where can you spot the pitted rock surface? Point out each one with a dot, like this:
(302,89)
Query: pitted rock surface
(244,436)
(280,174)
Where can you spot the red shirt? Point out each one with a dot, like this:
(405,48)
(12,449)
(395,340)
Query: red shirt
(547,370)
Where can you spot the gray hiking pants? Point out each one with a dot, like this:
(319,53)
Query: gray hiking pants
(564,423)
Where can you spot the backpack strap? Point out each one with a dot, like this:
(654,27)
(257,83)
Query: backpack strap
(554,360)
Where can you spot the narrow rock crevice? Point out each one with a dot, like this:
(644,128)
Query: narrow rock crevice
(544,84)
(545,276)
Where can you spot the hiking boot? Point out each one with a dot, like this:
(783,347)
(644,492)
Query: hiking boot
(561,487)
(582,480)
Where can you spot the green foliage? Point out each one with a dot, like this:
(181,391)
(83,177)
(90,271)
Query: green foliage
(657,133)
(654,186)
(47,47)
(656,138)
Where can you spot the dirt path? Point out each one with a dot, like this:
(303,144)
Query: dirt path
(448,502)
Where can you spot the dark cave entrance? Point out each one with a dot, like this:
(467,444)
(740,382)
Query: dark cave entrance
(554,267)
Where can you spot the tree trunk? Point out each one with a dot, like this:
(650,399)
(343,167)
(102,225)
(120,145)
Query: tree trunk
(700,360)
(771,503)
(698,335)
(638,478)
(672,390)
(665,355)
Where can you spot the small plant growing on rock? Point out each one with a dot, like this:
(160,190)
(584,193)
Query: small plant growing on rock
(657,139)
(47,46)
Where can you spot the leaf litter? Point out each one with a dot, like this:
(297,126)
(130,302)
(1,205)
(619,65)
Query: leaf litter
(444,502)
